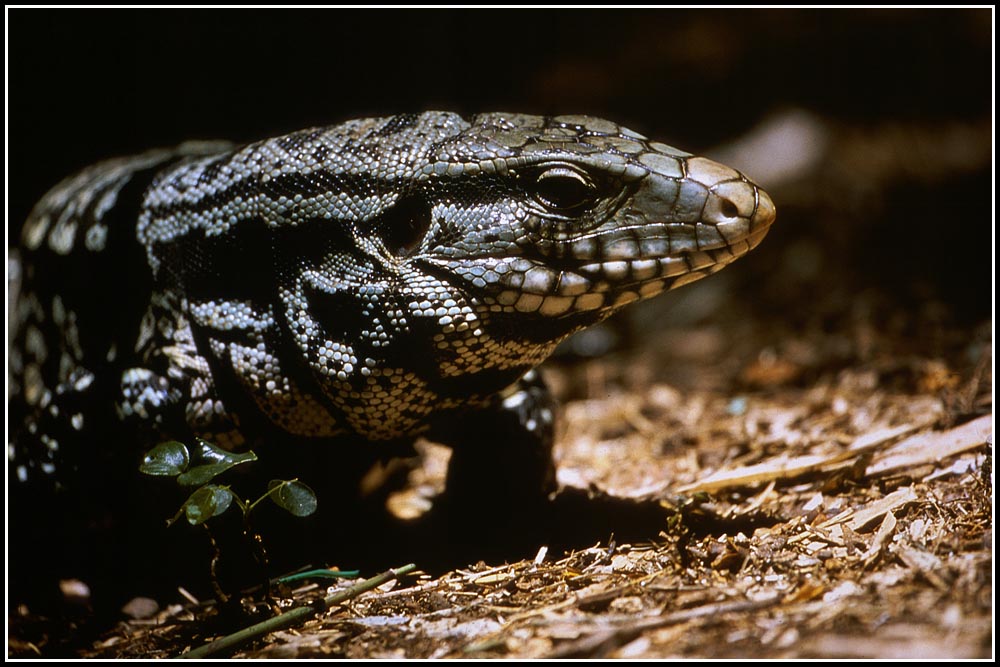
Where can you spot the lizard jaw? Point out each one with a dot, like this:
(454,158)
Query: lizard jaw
(603,269)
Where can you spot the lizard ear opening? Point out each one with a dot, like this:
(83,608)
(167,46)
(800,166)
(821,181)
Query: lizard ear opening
(404,226)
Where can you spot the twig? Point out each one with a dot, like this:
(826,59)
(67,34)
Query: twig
(293,616)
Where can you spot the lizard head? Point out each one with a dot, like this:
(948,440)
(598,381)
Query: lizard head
(583,216)
(479,245)
(414,263)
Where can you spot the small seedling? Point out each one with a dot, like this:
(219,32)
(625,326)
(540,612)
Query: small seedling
(205,463)
(199,465)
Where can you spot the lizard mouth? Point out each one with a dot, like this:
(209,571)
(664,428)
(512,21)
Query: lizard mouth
(636,262)
(728,228)
(669,251)
(606,271)
(558,275)
(572,285)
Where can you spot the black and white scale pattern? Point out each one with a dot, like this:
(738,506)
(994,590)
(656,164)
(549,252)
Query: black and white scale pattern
(360,282)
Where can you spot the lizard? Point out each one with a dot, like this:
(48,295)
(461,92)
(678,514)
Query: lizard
(350,287)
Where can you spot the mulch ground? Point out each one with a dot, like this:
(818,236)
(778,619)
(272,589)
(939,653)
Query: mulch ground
(833,518)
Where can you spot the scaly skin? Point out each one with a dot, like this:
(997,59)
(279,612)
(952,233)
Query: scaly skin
(362,283)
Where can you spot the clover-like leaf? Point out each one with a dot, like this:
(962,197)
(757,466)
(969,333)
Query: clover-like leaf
(208,501)
(293,496)
(205,453)
(168,459)
(212,461)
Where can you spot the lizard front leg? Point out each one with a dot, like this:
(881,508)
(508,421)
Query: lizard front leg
(175,385)
(502,453)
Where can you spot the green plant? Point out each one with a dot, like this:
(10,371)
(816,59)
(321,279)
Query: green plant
(204,463)
(198,466)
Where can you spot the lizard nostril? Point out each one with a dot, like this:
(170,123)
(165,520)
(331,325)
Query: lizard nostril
(728,208)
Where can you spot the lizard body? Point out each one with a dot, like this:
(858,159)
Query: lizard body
(362,283)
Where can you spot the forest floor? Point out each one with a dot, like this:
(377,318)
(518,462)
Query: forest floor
(757,515)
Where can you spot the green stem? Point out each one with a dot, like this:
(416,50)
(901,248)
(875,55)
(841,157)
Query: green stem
(277,487)
(293,616)
(239,501)
(317,574)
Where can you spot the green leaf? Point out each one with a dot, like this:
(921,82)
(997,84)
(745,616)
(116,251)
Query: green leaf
(202,474)
(211,461)
(205,453)
(167,459)
(208,501)
(293,496)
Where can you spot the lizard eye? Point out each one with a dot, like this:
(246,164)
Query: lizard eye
(564,189)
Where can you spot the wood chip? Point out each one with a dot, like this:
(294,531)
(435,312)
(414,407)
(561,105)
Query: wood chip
(924,562)
(882,535)
(788,468)
(861,518)
(933,447)
(540,556)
